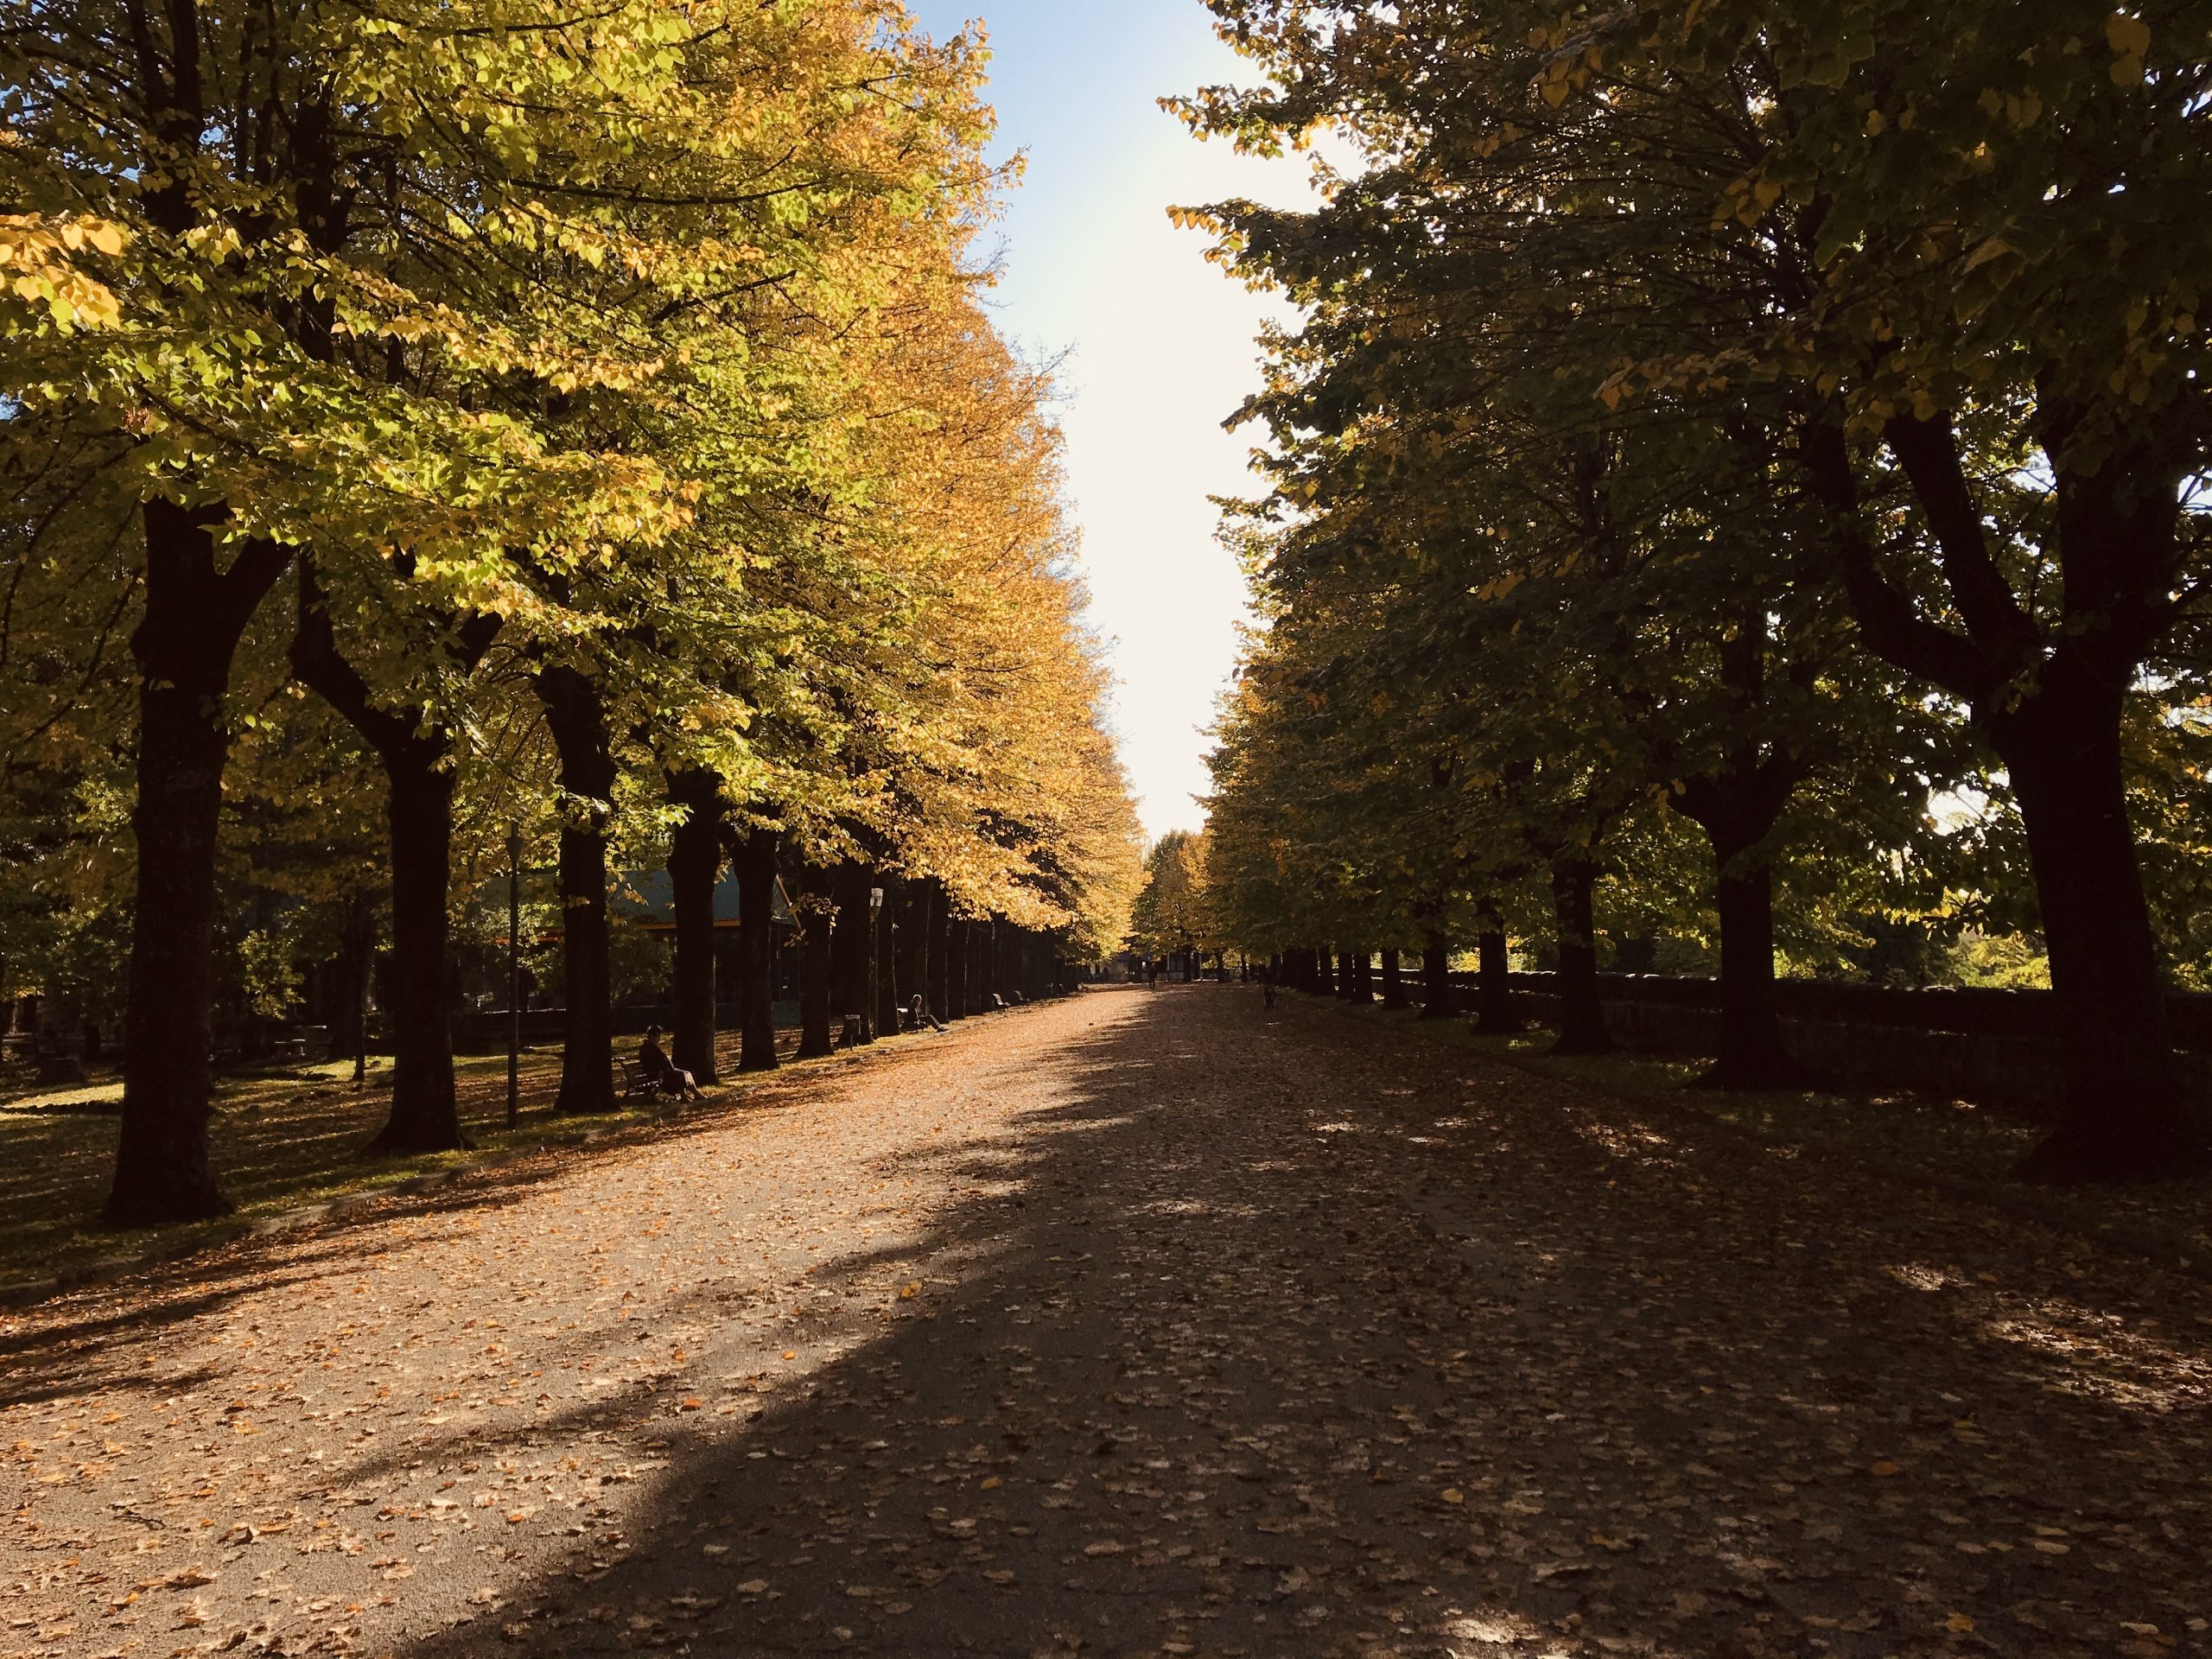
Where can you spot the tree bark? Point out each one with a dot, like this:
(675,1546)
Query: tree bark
(1494,983)
(2051,703)
(1752,1054)
(416,752)
(817,1036)
(425,1118)
(848,944)
(694,865)
(347,976)
(913,944)
(1394,981)
(756,903)
(1325,972)
(940,964)
(1361,987)
(1437,1000)
(2126,1118)
(959,937)
(1582,1016)
(194,615)
(576,717)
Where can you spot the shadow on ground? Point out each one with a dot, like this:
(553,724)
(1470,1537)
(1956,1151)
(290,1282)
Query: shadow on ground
(1275,1335)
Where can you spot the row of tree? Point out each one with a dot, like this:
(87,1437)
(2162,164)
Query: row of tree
(431,422)
(1742,433)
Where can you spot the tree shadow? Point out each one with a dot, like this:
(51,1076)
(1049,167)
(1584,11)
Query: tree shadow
(1266,1334)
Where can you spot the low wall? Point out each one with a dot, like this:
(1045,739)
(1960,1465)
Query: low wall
(1987,1046)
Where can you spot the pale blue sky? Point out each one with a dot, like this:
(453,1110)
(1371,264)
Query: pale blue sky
(1158,343)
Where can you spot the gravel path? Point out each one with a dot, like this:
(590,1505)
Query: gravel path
(1140,1324)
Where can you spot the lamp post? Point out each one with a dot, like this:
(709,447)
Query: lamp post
(514,977)
(874,911)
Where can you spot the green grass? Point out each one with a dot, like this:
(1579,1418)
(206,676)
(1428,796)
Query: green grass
(281,1139)
(1964,1149)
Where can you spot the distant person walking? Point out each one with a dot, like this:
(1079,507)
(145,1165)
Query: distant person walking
(1152,972)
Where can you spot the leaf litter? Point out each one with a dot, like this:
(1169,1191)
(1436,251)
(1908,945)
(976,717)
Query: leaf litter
(1140,1324)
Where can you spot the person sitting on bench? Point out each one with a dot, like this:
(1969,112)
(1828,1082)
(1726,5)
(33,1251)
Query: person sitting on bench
(919,1015)
(662,1073)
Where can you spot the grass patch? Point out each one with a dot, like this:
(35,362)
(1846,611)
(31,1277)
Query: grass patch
(281,1139)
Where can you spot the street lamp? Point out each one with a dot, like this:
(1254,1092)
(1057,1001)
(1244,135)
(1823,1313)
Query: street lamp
(514,977)
(875,912)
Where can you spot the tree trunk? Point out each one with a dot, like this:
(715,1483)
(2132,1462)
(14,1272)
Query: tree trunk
(956,937)
(425,1118)
(1437,1000)
(940,937)
(1494,983)
(194,615)
(1363,977)
(913,944)
(818,909)
(2115,527)
(2125,1117)
(848,945)
(694,866)
(577,720)
(1581,1015)
(1394,981)
(1325,972)
(991,975)
(347,977)
(1752,1055)
(756,904)
(414,752)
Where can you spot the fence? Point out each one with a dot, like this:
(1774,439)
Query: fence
(1989,1046)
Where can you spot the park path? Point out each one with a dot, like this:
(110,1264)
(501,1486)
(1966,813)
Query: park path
(1145,1323)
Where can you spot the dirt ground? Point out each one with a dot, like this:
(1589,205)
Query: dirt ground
(1145,1323)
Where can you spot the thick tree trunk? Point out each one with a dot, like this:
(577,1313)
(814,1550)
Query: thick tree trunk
(991,978)
(695,867)
(425,1118)
(414,751)
(817,1035)
(913,941)
(1494,983)
(848,945)
(2126,1118)
(1362,989)
(1394,981)
(956,939)
(577,720)
(1437,1000)
(195,612)
(1581,1015)
(756,903)
(2115,524)
(1325,972)
(1752,1054)
(940,964)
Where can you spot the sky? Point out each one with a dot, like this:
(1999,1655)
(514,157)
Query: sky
(1158,344)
